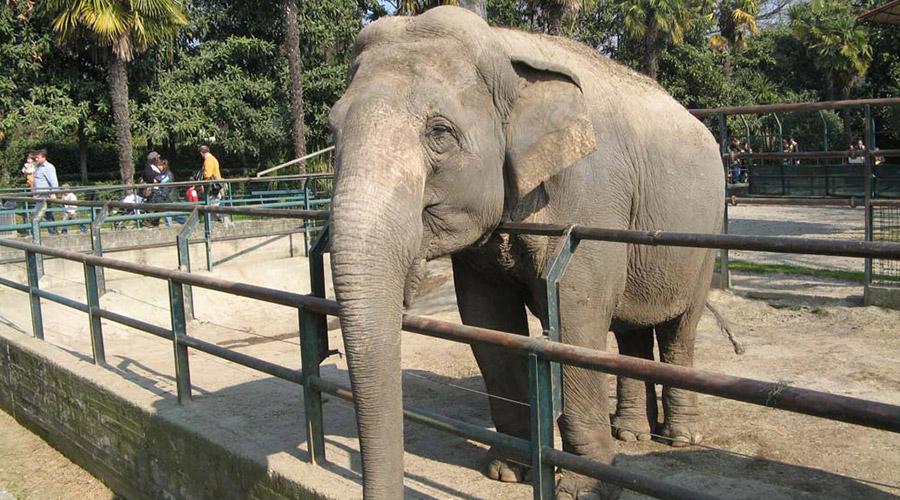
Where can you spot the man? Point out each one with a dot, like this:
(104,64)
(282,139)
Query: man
(45,183)
(210,164)
(211,172)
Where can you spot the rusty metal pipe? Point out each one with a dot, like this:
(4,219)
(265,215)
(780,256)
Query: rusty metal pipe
(769,394)
(801,106)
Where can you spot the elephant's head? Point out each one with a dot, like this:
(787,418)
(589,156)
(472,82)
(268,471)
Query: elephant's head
(440,130)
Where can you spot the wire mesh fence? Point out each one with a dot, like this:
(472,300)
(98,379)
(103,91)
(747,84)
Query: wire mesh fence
(886,228)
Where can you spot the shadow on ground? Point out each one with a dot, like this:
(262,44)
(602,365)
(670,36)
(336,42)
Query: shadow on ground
(263,418)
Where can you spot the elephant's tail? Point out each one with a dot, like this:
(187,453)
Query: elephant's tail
(725,327)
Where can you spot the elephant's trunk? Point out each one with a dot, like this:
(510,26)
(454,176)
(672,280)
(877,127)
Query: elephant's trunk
(377,233)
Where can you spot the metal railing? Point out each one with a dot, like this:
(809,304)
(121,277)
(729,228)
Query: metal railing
(542,353)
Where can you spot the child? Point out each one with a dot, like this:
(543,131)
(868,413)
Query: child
(71,210)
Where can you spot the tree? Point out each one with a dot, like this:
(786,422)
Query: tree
(118,30)
(737,20)
(295,71)
(657,22)
(838,46)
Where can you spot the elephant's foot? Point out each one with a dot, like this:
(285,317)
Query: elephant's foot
(681,434)
(573,486)
(630,428)
(501,468)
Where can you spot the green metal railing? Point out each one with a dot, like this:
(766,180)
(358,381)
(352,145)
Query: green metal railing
(541,352)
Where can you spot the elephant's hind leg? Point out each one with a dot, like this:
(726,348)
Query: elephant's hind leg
(636,410)
(676,345)
(491,303)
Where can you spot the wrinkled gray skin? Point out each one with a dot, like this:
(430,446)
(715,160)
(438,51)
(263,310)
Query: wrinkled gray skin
(449,127)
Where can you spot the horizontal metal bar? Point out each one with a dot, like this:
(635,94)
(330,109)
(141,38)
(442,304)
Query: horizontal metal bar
(282,372)
(801,106)
(12,284)
(262,212)
(884,203)
(575,463)
(232,180)
(294,161)
(282,297)
(619,476)
(769,394)
(781,244)
(164,244)
(813,202)
(137,324)
(59,299)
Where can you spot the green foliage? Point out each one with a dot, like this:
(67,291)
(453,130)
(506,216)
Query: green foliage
(222,92)
(125,28)
(838,46)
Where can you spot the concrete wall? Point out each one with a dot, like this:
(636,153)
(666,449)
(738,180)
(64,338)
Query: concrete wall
(133,449)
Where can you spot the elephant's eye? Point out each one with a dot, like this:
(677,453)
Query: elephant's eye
(440,136)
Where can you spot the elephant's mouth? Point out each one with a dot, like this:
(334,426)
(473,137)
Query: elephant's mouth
(413,280)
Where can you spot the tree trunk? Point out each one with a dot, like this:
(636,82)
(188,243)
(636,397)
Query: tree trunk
(117,77)
(845,114)
(82,152)
(476,6)
(651,48)
(727,68)
(295,68)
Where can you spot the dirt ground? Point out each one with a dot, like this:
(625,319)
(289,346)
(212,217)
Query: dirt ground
(32,469)
(806,333)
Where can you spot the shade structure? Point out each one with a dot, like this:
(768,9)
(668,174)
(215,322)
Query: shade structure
(888,12)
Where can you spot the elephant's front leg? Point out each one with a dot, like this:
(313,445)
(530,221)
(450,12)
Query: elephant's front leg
(490,302)
(586,308)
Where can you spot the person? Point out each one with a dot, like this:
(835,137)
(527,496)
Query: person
(71,210)
(793,147)
(191,195)
(734,148)
(857,152)
(151,176)
(164,194)
(745,163)
(28,171)
(210,173)
(45,183)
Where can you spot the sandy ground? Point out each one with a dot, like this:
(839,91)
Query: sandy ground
(790,333)
(32,469)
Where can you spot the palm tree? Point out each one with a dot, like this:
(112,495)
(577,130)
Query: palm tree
(837,45)
(737,20)
(119,29)
(657,22)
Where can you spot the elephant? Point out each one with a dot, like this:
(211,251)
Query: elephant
(449,127)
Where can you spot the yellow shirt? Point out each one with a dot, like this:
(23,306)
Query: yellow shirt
(211,167)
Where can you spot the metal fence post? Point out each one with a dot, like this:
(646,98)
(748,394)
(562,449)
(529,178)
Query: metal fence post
(868,184)
(306,245)
(93,302)
(97,245)
(553,273)
(542,479)
(37,319)
(183,244)
(317,283)
(725,277)
(39,211)
(179,330)
(311,327)
(207,239)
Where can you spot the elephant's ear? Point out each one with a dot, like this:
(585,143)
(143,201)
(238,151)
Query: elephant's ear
(548,126)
